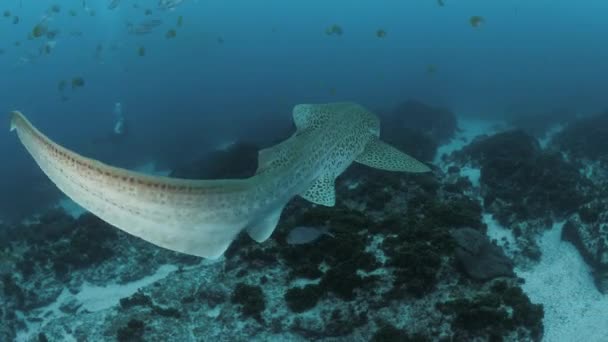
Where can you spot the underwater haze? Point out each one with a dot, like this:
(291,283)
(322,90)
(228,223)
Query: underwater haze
(503,101)
(234,66)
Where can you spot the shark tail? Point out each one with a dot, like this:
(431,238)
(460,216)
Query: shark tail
(15,115)
(182,215)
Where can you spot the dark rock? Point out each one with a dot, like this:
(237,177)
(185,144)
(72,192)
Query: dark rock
(521,182)
(134,331)
(42,338)
(589,234)
(389,333)
(251,300)
(66,244)
(494,314)
(239,160)
(137,299)
(302,299)
(586,138)
(480,259)
(13,291)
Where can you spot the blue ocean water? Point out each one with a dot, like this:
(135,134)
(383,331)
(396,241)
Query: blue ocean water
(235,69)
(532,55)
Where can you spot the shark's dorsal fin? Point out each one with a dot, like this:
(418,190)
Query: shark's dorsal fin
(302,116)
(322,191)
(309,116)
(380,155)
(273,156)
(261,231)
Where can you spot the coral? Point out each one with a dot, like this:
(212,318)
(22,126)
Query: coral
(251,300)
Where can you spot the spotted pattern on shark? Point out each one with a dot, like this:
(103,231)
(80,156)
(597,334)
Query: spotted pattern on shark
(202,217)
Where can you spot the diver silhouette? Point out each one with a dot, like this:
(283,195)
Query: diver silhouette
(119,132)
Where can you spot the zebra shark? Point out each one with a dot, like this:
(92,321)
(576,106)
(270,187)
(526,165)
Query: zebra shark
(203,217)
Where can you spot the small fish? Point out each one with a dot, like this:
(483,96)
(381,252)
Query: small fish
(113,4)
(303,235)
(334,30)
(77,82)
(39,30)
(141,51)
(15,20)
(7,14)
(380,33)
(144,27)
(170,34)
(441,3)
(169,4)
(476,21)
(180,21)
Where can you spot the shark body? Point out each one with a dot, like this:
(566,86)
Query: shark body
(202,217)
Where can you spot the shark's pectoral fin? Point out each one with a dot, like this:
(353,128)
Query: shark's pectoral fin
(261,230)
(322,191)
(380,155)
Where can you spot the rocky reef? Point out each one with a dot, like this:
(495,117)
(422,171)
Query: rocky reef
(408,258)
(588,231)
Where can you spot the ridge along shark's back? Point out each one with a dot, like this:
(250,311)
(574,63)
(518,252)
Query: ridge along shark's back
(202,217)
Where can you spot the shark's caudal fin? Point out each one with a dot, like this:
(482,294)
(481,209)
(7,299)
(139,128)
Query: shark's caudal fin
(193,217)
(380,155)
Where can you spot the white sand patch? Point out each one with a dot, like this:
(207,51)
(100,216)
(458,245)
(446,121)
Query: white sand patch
(95,298)
(473,174)
(546,139)
(469,129)
(574,309)
(91,298)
